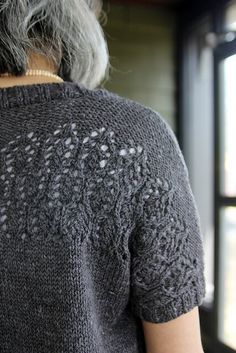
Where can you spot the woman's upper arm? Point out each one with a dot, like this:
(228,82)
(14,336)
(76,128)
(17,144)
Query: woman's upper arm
(167,281)
(180,335)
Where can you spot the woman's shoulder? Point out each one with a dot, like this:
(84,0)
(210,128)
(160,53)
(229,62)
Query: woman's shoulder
(125,105)
(130,117)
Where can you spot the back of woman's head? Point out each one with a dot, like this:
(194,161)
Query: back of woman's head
(66,31)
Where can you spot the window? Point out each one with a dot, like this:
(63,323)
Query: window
(226,106)
(208,124)
(227,78)
(227,297)
(230,17)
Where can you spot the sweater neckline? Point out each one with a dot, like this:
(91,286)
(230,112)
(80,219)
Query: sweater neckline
(21,95)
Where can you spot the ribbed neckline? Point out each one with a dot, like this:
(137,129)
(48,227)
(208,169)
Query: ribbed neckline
(36,93)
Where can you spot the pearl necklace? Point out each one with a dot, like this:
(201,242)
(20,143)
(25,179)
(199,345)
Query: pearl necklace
(36,72)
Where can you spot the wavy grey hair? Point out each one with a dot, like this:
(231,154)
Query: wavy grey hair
(68,32)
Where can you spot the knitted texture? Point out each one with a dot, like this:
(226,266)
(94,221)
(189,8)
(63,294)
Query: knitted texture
(98,223)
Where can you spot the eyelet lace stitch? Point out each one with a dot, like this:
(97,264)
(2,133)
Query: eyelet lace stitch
(50,181)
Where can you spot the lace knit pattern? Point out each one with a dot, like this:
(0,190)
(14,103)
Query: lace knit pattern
(98,223)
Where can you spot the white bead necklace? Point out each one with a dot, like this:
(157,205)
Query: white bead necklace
(35,72)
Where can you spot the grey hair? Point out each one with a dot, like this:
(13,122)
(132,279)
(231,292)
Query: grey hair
(66,31)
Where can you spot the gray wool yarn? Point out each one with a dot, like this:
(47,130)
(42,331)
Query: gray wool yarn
(98,223)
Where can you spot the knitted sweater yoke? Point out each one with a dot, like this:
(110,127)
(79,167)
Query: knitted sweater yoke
(99,228)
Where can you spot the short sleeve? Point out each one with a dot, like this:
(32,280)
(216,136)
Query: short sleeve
(167,255)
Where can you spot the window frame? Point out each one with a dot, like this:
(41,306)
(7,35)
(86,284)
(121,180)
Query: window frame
(209,316)
(221,52)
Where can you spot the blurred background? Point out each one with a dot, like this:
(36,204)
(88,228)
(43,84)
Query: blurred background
(179,58)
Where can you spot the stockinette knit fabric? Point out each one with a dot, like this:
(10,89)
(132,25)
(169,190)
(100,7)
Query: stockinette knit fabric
(99,227)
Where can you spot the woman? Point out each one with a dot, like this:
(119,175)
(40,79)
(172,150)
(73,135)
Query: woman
(100,240)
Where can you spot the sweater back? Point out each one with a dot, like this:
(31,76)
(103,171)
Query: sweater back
(99,228)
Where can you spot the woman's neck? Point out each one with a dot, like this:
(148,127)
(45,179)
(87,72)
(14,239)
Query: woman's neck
(35,61)
(25,80)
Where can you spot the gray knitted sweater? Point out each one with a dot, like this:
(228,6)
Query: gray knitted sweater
(98,224)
